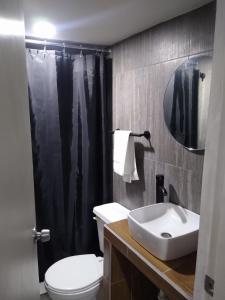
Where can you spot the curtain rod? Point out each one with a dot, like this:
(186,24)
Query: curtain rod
(65,44)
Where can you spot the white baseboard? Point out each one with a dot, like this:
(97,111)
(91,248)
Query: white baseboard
(42,288)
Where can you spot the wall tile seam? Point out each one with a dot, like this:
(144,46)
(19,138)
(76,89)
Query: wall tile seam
(171,165)
(207,51)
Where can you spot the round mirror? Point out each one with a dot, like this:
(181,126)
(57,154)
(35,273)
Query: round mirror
(186,102)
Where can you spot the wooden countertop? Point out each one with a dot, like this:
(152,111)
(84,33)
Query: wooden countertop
(175,277)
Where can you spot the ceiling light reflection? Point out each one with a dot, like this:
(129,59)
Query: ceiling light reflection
(43,29)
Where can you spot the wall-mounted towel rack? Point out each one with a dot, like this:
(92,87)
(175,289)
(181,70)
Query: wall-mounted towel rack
(145,134)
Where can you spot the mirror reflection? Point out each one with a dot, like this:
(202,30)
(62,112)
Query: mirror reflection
(186,102)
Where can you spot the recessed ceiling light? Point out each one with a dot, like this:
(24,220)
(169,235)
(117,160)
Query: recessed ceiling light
(44,29)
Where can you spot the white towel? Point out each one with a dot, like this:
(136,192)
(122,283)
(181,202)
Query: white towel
(124,161)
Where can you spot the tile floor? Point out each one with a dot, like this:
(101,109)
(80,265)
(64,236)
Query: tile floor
(44,297)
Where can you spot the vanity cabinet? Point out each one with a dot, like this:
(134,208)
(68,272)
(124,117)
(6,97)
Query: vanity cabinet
(132,273)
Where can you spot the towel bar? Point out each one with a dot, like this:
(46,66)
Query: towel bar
(145,134)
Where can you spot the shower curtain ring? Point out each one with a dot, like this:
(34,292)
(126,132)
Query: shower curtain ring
(64,48)
(45,47)
(81,52)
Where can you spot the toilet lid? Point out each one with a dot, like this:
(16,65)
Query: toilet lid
(75,273)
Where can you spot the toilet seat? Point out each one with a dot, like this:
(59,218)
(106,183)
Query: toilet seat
(75,275)
(73,293)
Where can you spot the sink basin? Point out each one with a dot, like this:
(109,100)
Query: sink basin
(166,230)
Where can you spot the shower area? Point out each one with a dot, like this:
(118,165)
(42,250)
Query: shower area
(70,114)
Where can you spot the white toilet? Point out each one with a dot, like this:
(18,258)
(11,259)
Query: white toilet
(79,277)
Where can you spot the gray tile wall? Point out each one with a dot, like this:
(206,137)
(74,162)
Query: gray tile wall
(142,67)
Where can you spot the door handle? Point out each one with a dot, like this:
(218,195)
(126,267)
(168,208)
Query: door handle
(43,235)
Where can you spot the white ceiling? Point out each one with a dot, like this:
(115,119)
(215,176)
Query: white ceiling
(103,22)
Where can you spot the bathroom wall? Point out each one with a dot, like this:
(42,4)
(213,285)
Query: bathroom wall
(142,67)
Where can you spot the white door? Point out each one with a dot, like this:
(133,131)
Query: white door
(18,258)
(211,250)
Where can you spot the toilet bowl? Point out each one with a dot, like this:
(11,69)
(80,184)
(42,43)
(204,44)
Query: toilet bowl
(75,278)
(79,277)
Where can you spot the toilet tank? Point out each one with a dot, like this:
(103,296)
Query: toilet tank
(108,213)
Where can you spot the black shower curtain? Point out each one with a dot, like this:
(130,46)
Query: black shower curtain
(70,111)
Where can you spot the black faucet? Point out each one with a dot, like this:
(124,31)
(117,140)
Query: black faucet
(161,192)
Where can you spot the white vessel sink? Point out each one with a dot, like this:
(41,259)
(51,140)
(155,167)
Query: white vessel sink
(166,230)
